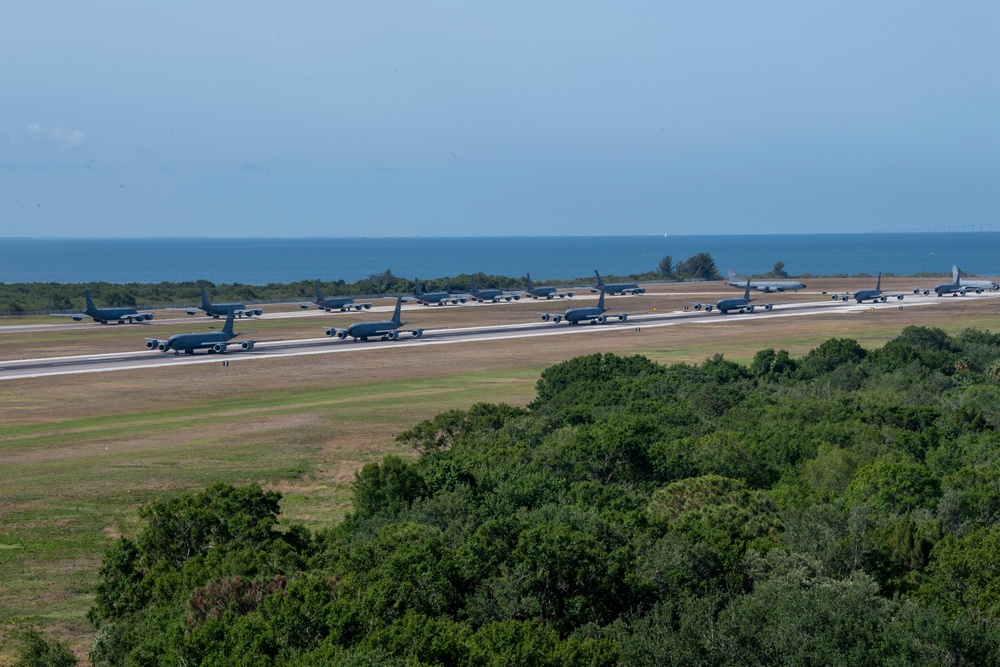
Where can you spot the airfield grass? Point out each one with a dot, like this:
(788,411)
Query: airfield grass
(82,453)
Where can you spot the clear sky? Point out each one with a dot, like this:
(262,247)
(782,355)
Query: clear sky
(323,118)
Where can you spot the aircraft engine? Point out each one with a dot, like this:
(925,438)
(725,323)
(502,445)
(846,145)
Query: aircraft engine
(979,290)
(569,294)
(697,306)
(708,308)
(162,347)
(507,298)
(368,306)
(358,307)
(331,332)
(557,318)
(768,306)
(392,335)
(77,318)
(220,348)
(641,290)
(899,297)
(601,319)
(623,317)
(417,333)
(517,297)
(152,344)
(247,345)
(843,298)
(546,317)
(306,306)
(257,311)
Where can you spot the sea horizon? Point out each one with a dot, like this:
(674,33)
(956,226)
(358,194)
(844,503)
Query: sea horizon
(263,260)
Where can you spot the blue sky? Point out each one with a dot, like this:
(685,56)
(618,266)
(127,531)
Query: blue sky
(457,118)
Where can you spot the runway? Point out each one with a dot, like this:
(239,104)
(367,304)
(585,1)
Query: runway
(634,325)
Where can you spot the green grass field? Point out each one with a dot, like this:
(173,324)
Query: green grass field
(82,453)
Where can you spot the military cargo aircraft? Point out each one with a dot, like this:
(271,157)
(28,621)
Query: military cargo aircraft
(218,310)
(435,298)
(765,286)
(494,295)
(216,342)
(615,288)
(874,295)
(595,314)
(106,315)
(385,330)
(543,292)
(957,286)
(978,286)
(331,303)
(743,304)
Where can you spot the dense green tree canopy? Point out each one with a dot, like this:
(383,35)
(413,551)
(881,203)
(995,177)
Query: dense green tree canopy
(836,508)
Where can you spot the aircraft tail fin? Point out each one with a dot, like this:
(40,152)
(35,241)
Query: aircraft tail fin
(227,328)
(204,299)
(416,287)
(90,302)
(319,297)
(878,284)
(473,279)
(746,294)
(528,284)
(600,283)
(396,313)
(732,276)
(600,301)
(956,275)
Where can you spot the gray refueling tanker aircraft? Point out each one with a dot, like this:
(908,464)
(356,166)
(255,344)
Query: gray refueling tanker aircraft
(874,295)
(615,288)
(743,304)
(331,303)
(977,286)
(765,286)
(543,292)
(435,298)
(493,295)
(216,342)
(385,330)
(593,313)
(106,315)
(957,286)
(218,310)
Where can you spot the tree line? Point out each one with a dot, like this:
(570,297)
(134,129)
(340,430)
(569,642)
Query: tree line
(838,508)
(41,298)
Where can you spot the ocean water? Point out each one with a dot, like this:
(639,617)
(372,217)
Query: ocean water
(258,261)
